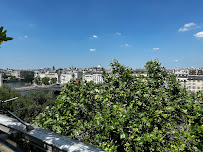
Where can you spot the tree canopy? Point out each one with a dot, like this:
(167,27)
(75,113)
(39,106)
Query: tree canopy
(26,107)
(129,112)
(29,78)
(45,80)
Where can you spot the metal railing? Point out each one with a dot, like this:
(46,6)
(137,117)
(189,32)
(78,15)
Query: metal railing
(28,127)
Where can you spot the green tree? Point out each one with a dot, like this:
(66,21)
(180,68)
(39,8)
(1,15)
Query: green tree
(38,80)
(34,103)
(13,77)
(45,80)
(5,76)
(29,106)
(128,112)
(3,36)
(29,78)
(7,92)
(53,80)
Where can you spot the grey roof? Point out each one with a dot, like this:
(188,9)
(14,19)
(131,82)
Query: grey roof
(195,77)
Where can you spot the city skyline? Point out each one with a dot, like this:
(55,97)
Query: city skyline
(87,33)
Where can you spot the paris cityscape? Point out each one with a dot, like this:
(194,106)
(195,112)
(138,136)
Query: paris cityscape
(101,76)
(190,78)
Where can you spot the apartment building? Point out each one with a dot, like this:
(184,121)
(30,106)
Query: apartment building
(192,79)
(49,74)
(66,76)
(195,83)
(96,77)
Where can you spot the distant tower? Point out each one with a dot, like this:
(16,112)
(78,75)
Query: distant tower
(53,67)
(1,80)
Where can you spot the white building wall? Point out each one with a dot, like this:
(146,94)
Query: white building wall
(97,78)
(41,75)
(88,77)
(66,77)
(16,73)
(195,85)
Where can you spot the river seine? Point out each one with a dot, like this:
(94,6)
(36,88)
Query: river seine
(16,84)
(19,84)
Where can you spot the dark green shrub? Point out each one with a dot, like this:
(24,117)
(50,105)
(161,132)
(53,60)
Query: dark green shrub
(29,106)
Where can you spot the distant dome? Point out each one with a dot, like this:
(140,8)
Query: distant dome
(99,66)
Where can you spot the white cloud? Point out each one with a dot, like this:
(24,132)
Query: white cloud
(118,33)
(155,49)
(125,45)
(183,29)
(23,37)
(176,60)
(188,27)
(92,50)
(189,24)
(199,34)
(94,37)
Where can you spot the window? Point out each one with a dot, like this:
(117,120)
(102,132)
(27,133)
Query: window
(194,87)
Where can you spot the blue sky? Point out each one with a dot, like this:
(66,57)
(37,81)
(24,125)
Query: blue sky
(85,33)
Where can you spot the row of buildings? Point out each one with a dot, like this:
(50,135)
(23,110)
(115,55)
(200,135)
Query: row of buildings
(65,75)
(16,74)
(62,75)
(192,79)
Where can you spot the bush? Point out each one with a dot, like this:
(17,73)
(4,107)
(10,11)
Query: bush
(128,112)
(53,80)
(7,92)
(37,80)
(29,106)
(45,80)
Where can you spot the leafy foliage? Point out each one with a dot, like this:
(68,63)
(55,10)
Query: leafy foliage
(29,106)
(3,36)
(7,92)
(45,80)
(129,112)
(8,77)
(53,80)
(34,103)
(29,78)
(38,80)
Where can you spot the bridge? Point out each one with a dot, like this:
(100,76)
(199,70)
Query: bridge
(15,137)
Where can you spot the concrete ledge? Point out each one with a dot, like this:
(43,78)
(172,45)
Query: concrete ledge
(42,138)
